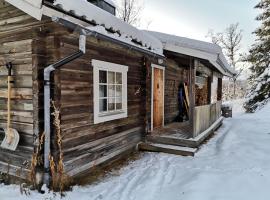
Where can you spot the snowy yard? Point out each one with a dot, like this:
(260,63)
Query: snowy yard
(232,165)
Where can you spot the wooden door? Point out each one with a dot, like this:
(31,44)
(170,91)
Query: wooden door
(158,97)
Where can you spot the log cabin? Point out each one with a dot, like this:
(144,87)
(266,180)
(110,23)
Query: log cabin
(89,89)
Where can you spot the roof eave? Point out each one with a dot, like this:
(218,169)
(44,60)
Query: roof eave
(212,58)
(32,8)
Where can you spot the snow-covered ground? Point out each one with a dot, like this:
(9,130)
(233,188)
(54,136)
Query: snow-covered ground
(232,165)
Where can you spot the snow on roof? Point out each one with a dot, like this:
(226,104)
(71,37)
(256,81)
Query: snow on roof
(101,21)
(201,49)
(186,42)
(105,21)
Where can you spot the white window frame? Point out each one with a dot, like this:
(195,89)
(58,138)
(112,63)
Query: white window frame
(99,65)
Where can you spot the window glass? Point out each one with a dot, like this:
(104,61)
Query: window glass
(111,77)
(118,103)
(118,78)
(103,91)
(118,91)
(111,90)
(102,76)
(111,104)
(103,105)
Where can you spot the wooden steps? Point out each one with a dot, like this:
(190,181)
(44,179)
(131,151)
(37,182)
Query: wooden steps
(174,139)
(171,149)
(175,144)
(171,140)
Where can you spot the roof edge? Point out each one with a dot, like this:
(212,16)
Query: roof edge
(27,6)
(37,10)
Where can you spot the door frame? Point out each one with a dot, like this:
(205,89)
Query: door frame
(153,66)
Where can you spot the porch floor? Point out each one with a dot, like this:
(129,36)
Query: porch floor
(181,130)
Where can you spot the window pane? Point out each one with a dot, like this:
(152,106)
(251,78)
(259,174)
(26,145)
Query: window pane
(103,76)
(103,105)
(111,90)
(118,78)
(111,77)
(111,104)
(103,91)
(119,91)
(118,103)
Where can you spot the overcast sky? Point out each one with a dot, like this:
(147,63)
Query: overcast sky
(193,18)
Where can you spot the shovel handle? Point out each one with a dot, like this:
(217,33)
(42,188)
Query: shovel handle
(8,103)
(9,67)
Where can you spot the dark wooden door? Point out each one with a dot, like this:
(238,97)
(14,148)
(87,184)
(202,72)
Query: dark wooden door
(158,98)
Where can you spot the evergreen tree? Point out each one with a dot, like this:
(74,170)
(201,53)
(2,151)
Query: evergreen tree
(259,57)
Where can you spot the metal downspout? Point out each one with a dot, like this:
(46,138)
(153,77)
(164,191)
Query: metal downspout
(47,101)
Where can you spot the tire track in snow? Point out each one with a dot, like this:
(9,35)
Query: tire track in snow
(139,176)
(159,181)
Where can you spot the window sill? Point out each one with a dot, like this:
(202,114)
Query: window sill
(109,117)
(111,113)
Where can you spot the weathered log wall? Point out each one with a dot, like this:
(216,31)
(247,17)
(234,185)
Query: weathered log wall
(86,144)
(30,45)
(16,40)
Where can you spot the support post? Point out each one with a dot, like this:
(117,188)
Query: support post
(192,75)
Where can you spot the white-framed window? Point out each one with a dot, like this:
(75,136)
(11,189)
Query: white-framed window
(110,91)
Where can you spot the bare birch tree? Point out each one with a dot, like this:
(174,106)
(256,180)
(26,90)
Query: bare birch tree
(129,11)
(230,41)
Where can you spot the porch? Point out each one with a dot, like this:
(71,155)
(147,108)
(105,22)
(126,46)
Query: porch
(186,103)
(185,138)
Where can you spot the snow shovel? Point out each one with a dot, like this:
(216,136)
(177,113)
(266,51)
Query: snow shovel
(12,136)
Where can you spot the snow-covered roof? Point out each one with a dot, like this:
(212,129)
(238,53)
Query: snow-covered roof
(204,50)
(106,21)
(101,21)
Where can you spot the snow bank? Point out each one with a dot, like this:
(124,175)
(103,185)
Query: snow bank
(105,21)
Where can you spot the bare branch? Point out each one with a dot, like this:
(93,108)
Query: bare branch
(129,11)
(230,41)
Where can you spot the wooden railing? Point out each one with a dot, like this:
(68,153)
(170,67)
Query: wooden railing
(205,116)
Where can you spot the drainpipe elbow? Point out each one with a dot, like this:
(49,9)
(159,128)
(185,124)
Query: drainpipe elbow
(47,72)
(82,43)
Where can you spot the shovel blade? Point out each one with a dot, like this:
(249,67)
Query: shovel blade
(12,146)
